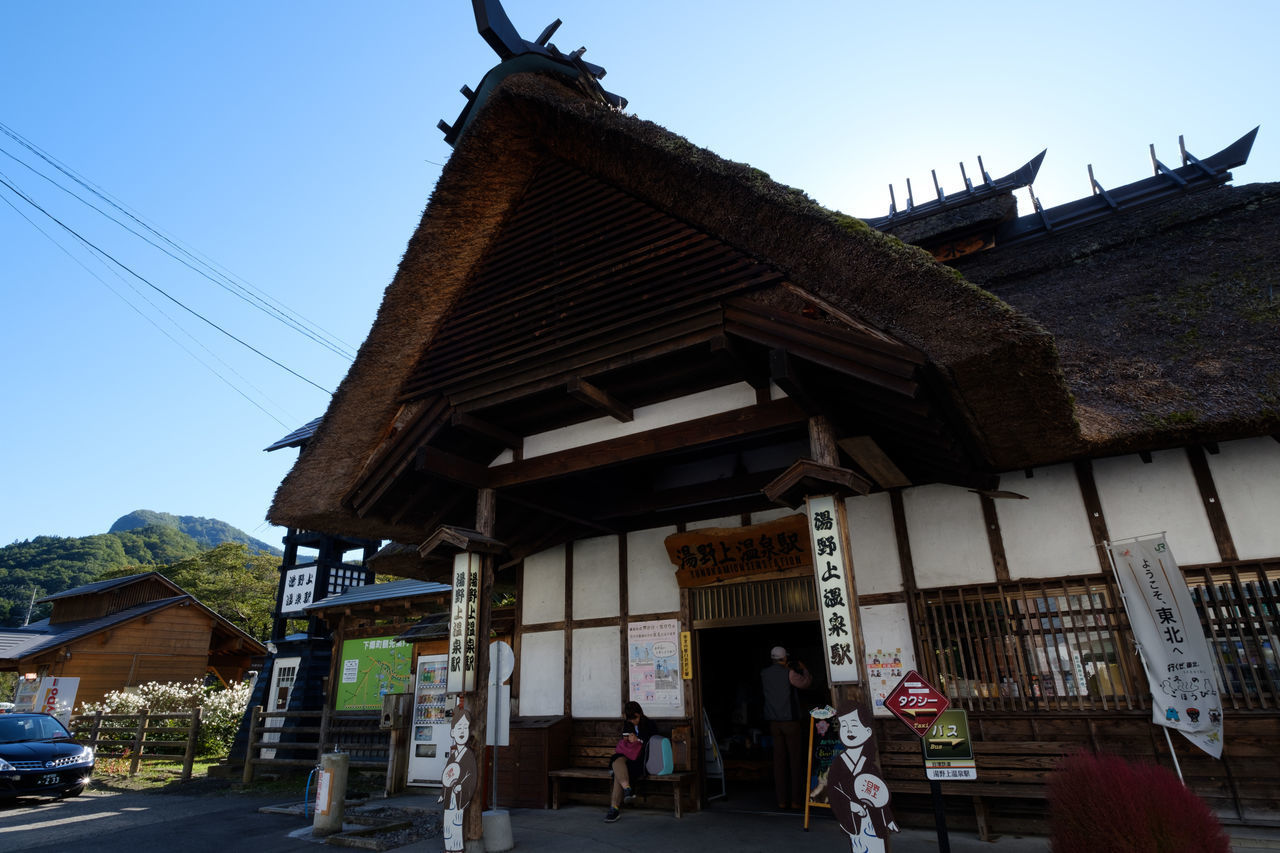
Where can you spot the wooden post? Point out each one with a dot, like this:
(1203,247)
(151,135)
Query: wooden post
(94,731)
(138,740)
(255,721)
(193,737)
(477,704)
(323,741)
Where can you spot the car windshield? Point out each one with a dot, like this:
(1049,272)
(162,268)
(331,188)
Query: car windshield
(18,729)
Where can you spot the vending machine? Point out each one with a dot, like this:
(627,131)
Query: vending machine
(432,717)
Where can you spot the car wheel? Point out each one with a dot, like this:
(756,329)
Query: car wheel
(74,792)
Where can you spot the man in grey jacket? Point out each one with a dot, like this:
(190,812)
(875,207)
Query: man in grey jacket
(780,681)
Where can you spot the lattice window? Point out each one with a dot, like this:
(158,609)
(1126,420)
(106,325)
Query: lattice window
(344,577)
(1065,644)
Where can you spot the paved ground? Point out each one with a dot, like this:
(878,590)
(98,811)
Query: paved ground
(128,822)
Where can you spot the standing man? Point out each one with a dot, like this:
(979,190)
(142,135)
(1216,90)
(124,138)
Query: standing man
(780,680)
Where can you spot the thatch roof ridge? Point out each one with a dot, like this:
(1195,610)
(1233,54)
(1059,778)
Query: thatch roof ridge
(1165,317)
(987,354)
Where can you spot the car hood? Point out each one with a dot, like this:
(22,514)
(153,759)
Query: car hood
(38,750)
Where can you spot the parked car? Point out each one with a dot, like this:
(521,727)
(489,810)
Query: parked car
(39,757)
(6,707)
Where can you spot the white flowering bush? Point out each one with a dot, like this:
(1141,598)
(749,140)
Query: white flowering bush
(222,708)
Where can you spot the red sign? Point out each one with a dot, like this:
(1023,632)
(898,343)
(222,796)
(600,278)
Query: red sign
(916,702)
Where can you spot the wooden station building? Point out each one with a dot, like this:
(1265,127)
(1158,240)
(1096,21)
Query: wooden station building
(601,335)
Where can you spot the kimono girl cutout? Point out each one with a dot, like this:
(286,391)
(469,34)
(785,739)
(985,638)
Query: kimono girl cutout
(859,798)
(459,781)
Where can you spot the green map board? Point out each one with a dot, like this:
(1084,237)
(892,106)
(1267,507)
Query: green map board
(370,668)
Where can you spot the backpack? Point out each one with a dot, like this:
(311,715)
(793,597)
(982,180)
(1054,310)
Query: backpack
(658,760)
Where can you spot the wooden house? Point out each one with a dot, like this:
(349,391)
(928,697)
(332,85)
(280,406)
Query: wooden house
(601,336)
(128,631)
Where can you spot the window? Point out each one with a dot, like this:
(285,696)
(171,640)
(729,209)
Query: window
(1066,645)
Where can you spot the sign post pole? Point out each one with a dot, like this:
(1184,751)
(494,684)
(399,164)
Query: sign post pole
(918,704)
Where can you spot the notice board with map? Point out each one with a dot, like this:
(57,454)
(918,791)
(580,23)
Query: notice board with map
(371,668)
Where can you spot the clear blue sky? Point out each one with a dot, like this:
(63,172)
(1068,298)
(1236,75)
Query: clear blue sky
(294,143)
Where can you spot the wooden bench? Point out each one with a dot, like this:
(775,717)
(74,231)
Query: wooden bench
(1013,770)
(676,780)
(591,744)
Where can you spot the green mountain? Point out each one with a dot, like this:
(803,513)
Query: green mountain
(209,532)
(141,540)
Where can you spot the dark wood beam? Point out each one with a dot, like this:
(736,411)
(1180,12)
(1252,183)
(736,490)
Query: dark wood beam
(785,374)
(868,455)
(773,416)
(549,506)
(478,426)
(598,398)
(646,502)
(451,467)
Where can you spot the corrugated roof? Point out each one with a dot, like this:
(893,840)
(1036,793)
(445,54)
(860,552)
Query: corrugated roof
(97,586)
(381,592)
(298,437)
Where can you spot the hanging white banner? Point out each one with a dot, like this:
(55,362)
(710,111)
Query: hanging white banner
(1166,626)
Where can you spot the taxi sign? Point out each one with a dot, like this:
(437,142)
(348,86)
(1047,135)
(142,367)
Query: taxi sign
(916,702)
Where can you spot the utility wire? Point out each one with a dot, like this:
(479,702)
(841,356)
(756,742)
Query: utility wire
(263,302)
(4,181)
(152,321)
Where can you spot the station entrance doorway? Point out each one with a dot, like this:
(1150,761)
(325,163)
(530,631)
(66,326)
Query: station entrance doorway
(736,627)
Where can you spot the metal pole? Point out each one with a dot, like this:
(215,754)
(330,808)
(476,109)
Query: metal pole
(1173,755)
(940,817)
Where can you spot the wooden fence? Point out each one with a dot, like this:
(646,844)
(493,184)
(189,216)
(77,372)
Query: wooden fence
(141,736)
(297,739)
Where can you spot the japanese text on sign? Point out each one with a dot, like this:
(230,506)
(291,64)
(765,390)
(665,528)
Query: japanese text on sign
(829,567)
(464,623)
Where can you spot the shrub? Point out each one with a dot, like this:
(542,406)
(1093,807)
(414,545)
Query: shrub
(220,716)
(1104,804)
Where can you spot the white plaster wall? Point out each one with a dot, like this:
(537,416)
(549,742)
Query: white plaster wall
(1247,476)
(651,578)
(666,413)
(1139,499)
(948,536)
(595,578)
(542,673)
(543,592)
(873,544)
(1048,534)
(886,634)
(597,672)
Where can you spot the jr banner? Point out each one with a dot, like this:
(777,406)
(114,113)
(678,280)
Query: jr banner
(1167,629)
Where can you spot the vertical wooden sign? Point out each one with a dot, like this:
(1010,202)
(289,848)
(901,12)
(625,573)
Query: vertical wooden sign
(464,624)
(829,569)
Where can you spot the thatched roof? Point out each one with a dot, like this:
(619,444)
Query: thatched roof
(998,369)
(1167,318)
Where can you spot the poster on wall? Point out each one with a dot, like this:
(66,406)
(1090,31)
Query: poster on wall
(889,651)
(653,664)
(370,669)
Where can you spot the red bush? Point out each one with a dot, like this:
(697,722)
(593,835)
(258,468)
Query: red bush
(1104,804)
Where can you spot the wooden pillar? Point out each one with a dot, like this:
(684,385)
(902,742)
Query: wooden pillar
(476,705)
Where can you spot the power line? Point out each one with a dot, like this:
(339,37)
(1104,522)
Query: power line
(241,289)
(152,321)
(4,181)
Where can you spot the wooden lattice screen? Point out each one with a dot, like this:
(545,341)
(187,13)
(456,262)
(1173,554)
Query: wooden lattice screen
(1065,644)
